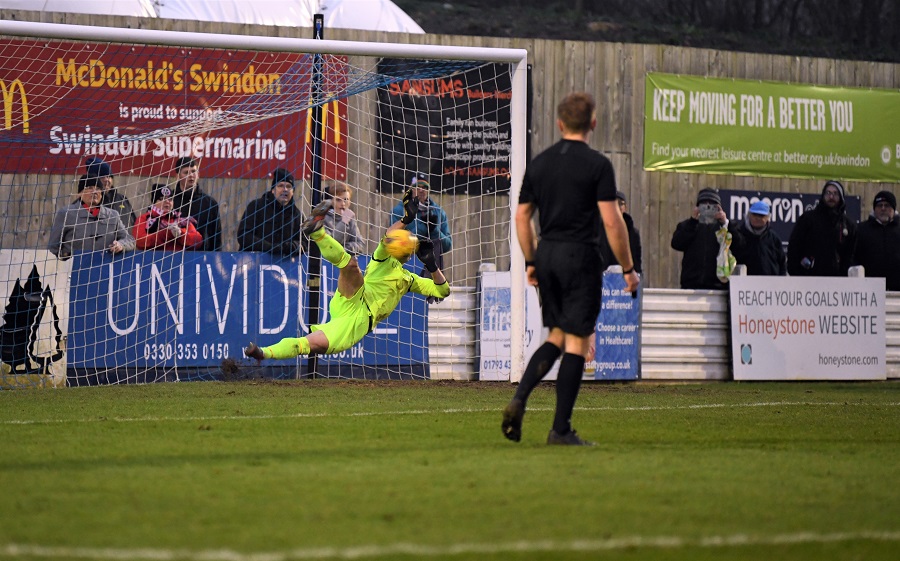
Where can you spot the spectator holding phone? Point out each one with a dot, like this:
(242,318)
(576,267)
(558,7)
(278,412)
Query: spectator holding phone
(696,237)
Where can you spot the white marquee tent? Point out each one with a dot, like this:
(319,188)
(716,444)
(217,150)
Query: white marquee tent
(378,15)
(140,8)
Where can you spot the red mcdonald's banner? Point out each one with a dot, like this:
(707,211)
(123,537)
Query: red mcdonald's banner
(237,112)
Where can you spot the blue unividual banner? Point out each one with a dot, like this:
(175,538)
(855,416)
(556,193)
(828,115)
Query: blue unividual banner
(149,309)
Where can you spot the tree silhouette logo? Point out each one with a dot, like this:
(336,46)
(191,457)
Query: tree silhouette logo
(29,308)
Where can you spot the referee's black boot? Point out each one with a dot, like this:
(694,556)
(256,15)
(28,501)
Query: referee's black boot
(512,420)
(570,438)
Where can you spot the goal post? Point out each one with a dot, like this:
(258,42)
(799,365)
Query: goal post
(143,107)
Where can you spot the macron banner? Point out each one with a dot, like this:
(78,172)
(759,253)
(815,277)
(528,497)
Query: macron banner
(807,328)
(786,207)
(751,127)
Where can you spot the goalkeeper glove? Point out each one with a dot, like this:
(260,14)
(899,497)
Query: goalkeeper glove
(410,207)
(425,253)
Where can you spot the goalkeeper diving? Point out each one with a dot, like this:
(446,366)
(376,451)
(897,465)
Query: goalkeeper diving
(360,302)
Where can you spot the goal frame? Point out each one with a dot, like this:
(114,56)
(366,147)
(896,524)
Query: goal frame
(517,58)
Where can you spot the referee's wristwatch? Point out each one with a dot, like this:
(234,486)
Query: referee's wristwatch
(629,271)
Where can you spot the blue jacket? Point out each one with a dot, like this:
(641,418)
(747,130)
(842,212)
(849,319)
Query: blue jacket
(431,223)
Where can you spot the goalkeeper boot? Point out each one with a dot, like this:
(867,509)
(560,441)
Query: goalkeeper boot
(570,438)
(253,351)
(512,420)
(317,217)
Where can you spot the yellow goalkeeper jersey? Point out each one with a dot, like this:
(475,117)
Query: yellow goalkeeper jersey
(386,281)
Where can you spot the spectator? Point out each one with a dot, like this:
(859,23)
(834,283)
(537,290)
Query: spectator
(96,167)
(341,223)
(634,237)
(822,242)
(878,241)
(431,220)
(273,223)
(696,237)
(87,225)
(163,227)
(192,202)
(756,245)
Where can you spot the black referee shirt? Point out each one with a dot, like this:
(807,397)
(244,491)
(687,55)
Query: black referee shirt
(565,182)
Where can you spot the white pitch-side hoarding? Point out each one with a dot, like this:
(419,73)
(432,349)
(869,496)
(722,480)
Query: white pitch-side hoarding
(808,328)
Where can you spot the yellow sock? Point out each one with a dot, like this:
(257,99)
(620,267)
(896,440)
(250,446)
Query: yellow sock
(289,347)
(330,249)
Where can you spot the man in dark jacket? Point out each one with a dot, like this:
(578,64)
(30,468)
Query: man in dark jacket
(878,241)
(823,239)
(96,167)
(634,238)
(696,237)
(273,223)
(756,245)
(192,202)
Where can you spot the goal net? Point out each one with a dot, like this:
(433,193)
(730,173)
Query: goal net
(149,234)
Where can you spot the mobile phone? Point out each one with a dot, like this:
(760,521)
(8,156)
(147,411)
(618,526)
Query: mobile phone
(708,213)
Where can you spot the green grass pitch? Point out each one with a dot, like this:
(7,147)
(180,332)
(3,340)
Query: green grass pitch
(269,471)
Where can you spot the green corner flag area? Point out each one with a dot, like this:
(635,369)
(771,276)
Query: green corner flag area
(258,470)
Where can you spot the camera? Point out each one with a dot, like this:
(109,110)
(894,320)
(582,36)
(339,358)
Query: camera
(708,213)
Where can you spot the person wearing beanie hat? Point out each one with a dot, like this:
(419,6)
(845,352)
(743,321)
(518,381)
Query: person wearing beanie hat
(96,167)
(272,223)
(888,198)
(822,241)
(878,241)
(87,225)
(282,175)
(162,227)
(756,245)
(430,221)
(696,238)
(192,202)
(709,196)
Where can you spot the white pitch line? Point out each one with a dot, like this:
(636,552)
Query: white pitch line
(421,550)
(450,411)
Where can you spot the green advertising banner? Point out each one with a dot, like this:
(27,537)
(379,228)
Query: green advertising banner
(746,127)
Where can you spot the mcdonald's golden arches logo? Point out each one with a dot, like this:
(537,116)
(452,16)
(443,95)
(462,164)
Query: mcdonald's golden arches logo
(9,104)
(328,108)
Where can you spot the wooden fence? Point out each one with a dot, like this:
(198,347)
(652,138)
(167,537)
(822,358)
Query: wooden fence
(613,72)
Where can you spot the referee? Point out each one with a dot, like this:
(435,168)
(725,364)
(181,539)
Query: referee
(573,188)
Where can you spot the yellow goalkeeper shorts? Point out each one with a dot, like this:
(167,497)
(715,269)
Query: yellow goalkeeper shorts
(349,323)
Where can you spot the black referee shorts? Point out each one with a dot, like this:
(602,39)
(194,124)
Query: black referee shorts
(570,277)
